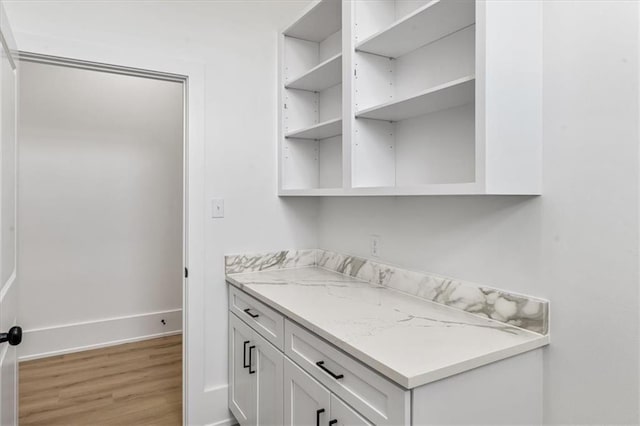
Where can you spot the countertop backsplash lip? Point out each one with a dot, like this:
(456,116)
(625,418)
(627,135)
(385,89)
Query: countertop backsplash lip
(266,261)
(512,308)
(434,274)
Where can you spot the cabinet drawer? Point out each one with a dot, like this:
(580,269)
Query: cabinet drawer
(378,399)
(263,319)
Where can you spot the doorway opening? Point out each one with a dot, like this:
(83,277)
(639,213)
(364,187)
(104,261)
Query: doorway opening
(101,242)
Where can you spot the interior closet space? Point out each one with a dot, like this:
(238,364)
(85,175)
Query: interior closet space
(100,204)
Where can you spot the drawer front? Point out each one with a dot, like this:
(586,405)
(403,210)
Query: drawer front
(263,319)
(378,399)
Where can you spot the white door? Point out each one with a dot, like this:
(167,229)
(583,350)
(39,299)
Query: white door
(11,334)
(269,363)
(343,415)
(306,402)
(242,377)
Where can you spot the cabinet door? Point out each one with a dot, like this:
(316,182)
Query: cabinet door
(343,415)
(242,383)
(306,402)
(269,363)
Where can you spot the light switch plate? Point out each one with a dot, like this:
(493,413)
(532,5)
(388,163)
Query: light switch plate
(217,206)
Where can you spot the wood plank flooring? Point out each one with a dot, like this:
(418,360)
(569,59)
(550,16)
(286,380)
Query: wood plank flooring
(132,384)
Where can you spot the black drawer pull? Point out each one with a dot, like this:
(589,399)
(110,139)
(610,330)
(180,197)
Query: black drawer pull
(329,372)
(246,311)
(244,355)
(332,422)
(250,362)
(320,411)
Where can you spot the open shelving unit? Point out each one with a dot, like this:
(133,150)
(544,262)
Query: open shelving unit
(399,97)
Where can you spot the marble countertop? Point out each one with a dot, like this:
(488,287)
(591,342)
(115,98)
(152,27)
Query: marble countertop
(409,340)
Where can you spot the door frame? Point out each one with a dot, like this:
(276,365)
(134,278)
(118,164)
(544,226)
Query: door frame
(192,77)
(9,288)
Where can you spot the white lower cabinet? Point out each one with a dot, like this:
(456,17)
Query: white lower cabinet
(255,377)
(242,389)
(308,403)
(309,382)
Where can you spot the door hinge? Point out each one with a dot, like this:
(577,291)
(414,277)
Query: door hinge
(186,272)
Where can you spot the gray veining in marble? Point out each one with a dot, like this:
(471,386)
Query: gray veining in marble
(521,311)
(409,340)
(242,263)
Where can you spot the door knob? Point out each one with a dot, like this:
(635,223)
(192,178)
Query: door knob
(14,336)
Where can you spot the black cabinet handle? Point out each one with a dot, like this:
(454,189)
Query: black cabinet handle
(244,355)
(247,311)
(250,362)
(329,372)
(332,422)
(320,411)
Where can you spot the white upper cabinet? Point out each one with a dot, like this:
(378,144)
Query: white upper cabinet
(404,97)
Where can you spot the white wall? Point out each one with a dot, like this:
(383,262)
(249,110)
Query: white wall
(236,40)
(99,207)
(577,245)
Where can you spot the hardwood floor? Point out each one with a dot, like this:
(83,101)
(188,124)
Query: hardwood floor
(132,384)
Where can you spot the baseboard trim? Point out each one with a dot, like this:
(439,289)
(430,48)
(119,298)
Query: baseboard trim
(69,338)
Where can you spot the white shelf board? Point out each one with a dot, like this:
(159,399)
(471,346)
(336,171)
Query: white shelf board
(320,77)
(324,130)
(318,22)
(429,23)
(451,94)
